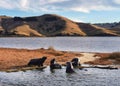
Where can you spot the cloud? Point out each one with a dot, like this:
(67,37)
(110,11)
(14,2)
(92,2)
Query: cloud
(5,4)
(24,3)
(85,6)
(117,1)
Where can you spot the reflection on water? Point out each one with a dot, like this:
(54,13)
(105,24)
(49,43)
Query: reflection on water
(82,44)
(91,77)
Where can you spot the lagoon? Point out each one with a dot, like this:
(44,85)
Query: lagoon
(91,77)
(80,44)
(85,77)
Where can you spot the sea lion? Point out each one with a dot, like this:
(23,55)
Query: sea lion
(76,62)
(37,62)
(69,67)
(54,65)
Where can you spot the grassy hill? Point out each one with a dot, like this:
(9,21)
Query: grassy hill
(49,25)
(93,30)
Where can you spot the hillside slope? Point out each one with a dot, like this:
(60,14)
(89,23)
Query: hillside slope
(25,30)
(54,25)
(1,28)
(49,25)
(111,26)
(93,30)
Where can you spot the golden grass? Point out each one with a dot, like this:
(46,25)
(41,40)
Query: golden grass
(10,58)
(100,60)
(92,30)
(25,30)
(107,58)
(115,56)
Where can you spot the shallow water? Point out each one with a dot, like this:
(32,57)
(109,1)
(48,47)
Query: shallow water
(81,44)
(91,77)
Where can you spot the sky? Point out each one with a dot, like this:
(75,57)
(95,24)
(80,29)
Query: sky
(88,11)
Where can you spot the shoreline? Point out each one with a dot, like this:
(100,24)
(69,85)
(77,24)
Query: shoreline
(11,58)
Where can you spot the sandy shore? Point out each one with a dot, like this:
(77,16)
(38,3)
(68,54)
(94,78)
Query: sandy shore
(88,57)
(11,58)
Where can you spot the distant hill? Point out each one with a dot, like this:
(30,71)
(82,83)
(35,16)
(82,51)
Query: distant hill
(93,30)
(108,25)
(49,25)
(111,26)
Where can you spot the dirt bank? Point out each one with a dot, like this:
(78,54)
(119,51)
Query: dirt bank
(11,57)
